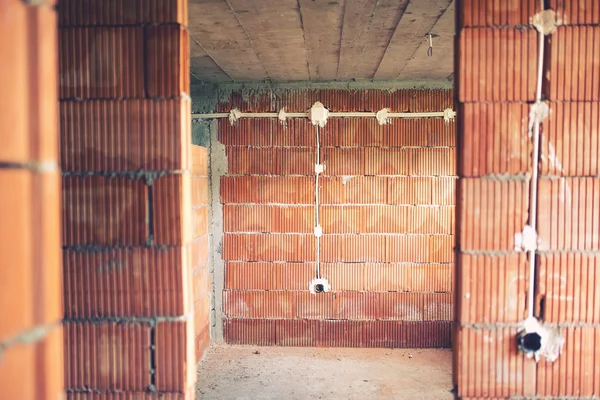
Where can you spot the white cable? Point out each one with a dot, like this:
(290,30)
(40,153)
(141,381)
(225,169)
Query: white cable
(317,222)
(357,114)
(534,175)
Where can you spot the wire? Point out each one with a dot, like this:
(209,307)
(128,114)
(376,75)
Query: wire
(317,223)
(533,196)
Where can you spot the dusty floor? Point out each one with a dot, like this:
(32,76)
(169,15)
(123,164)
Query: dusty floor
(243,372)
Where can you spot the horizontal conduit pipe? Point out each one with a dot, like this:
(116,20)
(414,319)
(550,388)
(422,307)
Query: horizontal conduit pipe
(435,114)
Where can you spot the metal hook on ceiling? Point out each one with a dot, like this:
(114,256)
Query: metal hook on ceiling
(430,36)
(430,49)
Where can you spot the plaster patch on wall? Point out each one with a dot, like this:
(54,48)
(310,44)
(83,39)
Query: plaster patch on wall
(347,178)
(544,21)
(554,161)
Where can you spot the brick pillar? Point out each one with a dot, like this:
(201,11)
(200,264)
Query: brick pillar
(30,270)
(125,155)
(497,71)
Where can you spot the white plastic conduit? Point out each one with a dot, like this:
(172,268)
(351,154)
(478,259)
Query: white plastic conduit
(536,338)
(234,115)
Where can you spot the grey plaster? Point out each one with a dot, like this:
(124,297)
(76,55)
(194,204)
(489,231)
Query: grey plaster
(218,168)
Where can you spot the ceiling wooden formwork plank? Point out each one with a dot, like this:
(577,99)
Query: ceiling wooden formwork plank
(216,27)
(275,29)
(368,28)
(440,65)
(203,67)
(322,21)
(418,20)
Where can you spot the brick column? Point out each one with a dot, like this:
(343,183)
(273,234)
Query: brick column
(496,68)
(30,271)
(125,155)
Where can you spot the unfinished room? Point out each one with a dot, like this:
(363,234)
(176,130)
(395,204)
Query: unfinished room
(296,199)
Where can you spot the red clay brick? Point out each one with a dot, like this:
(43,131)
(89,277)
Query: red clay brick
(380,305)
(274,161)
(200,161)
(353,248)
(438,307)
(200,190)
(497,13)
(190,395)
(101,62)
(492,289)
(570,140)
(573,64)
(100,210)
(572,12)
(91,347)
(569,210)
(261,305)
(495,139)
(259,332)
(201,285)
(410,190)
(39,362)
(339,333)
(298,332)
(200,221)
(154,281)
(492,212)
(114,12)
(569,286)
(200,251)
(390,161)
(490,366)
(419,248)
(343,161)
(263,218)
(393,277)
(29,209)
(269,247)
(167,61)
(172,210)
(202,327)
(175,367)
(124,135)
(247,131)
(355,190)
(268,189)
(432,161)
(443,190)
(482,80)
(264,132)
(282,276)
(28,84)
(387,219)
(575,372)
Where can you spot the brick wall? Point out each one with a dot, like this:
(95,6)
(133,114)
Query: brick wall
(200,249)
(127,199)
(31,365)
(493,191)
(387,211)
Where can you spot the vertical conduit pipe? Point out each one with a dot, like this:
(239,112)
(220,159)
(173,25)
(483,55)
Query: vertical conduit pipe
(317,222)
(533,195)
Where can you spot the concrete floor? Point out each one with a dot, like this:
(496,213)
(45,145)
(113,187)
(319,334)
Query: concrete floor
(245,372)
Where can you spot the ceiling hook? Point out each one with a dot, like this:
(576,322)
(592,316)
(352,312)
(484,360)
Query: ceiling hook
(430,49)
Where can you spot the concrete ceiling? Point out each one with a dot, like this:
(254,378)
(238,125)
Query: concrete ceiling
(320,40)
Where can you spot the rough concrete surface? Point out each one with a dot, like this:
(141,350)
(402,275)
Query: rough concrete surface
(248,372)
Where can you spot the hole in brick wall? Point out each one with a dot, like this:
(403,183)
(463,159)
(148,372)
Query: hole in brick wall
(541,307)
(530,342)
(319,288)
